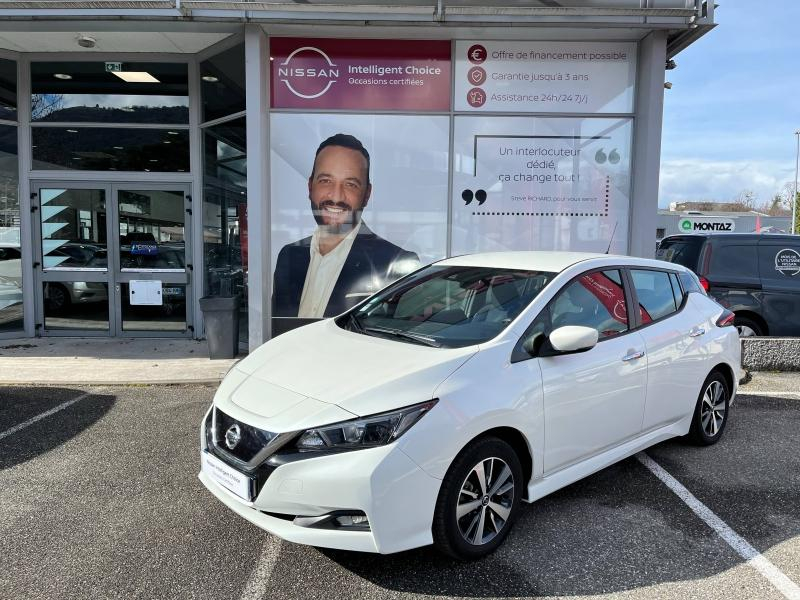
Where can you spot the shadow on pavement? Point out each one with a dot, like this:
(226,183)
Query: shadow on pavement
(19,404)
(621,529)
(608,533)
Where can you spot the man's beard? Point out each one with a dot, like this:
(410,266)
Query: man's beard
(351,221)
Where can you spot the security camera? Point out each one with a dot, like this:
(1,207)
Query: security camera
(86,41)
(671,64)
(668,85)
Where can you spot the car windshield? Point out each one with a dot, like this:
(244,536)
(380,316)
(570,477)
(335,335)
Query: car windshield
(682,251)
(447,306)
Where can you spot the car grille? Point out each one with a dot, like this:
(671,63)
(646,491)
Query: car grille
(252,441)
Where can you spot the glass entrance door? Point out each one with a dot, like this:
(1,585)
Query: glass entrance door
(112,259)
(153,278)
(72,258)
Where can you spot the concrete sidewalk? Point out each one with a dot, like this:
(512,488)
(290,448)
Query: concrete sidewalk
(126,361)
(112,361)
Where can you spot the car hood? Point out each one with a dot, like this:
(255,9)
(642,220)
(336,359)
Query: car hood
(360,374)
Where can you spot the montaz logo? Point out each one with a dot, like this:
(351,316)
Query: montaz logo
(687,225)
(307,81)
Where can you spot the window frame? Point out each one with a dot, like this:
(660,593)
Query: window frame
(518,354)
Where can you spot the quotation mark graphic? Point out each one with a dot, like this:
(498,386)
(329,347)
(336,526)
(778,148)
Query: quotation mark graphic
(613,157)
(479,195)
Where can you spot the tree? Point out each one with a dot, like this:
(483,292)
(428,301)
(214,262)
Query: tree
(43,105)
(746,199)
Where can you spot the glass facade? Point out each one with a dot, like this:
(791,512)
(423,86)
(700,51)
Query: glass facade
(11,300)
(460,159)
(85,92)
(8,90)
(223,84)
(225,179)
(110,149)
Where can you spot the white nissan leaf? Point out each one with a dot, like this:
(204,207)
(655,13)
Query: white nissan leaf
(429,412)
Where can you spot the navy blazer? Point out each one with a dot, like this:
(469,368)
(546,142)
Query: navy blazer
(371,264)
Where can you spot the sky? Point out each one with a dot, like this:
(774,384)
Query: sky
(730,117)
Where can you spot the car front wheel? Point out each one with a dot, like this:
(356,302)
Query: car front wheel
(479,500)
(711,411)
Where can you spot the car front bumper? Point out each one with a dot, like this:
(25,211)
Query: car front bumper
(395,494)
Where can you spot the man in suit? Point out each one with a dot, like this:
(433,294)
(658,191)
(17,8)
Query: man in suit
(343,261)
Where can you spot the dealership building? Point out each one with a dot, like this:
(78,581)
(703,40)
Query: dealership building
(154,152)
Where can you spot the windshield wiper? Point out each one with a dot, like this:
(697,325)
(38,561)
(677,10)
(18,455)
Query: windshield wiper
(414,337)
(356,324)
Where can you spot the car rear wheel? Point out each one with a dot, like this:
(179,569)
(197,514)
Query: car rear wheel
(711,411)
(58,299)
(747,327)
(478,501)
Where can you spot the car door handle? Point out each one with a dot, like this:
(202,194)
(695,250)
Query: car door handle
(697,331)
(633,356)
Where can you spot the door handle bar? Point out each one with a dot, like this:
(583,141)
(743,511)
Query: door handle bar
(633,356)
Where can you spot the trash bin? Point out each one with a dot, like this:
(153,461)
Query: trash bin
(221,316)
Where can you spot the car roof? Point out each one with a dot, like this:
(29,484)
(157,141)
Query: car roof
(733,236)
(536,260)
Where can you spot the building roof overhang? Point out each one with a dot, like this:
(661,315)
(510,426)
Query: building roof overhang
(683,20)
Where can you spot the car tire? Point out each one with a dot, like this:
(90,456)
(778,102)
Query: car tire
(467,490)
(747,327)
(711,411)
(58,299)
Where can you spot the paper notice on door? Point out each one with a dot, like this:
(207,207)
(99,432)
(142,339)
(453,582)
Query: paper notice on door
(145,293)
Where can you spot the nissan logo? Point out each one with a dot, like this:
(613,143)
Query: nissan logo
(233,436)
(309,75)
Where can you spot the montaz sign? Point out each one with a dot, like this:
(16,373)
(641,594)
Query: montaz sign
(706,225)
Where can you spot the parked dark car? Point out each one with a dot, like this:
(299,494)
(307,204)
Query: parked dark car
(755,276)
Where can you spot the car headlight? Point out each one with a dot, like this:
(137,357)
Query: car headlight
(364,432)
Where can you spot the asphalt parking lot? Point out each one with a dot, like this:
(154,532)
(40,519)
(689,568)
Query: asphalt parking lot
(100,500)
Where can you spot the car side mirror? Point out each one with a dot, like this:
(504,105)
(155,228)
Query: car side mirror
(533,343)
(569,339)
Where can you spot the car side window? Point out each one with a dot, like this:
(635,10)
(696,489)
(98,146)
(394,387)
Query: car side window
(654,291)
(595,300)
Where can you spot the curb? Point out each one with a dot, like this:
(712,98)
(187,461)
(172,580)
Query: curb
(771,354)
(108,383)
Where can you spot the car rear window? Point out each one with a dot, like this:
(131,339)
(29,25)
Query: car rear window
(682,251)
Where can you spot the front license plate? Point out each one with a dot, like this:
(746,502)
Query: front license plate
(228,477)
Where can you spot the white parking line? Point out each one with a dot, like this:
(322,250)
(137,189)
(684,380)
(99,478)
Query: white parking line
(45,414)
(256,587)
(754,558)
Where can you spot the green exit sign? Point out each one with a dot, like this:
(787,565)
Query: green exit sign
(112,66)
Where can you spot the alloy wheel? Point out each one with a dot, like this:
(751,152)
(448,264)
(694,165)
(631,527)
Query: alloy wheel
(745,331)
(485,501)
(712,412)
(57,297)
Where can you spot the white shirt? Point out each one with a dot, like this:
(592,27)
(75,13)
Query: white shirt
(322,274)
